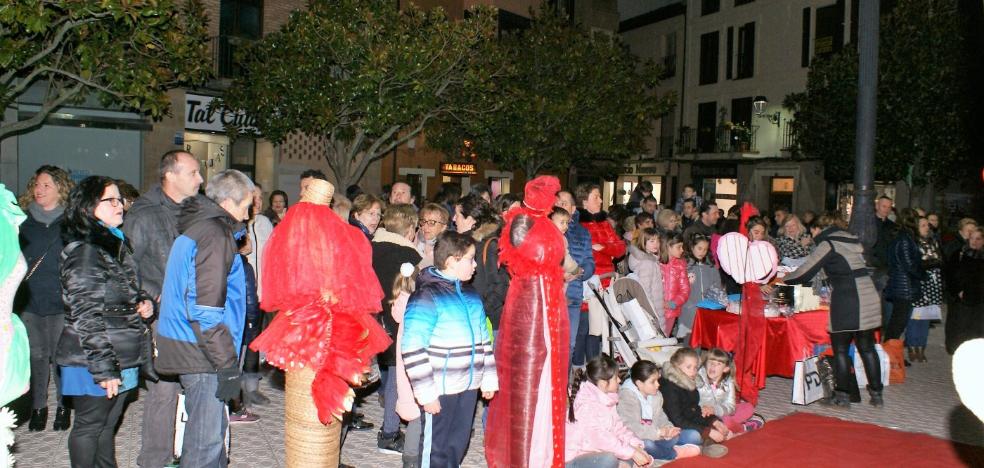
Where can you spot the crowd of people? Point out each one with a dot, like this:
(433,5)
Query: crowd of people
(163,289)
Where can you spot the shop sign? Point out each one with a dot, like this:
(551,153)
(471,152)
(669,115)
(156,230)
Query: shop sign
(199,116)
(458,169)
(714,172)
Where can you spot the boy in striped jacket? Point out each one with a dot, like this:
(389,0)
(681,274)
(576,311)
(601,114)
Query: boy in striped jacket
(447,349)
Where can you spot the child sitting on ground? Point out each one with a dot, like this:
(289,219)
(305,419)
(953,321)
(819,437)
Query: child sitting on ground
(717,394)
(681,400)
(447,349)
(640,406)
(596,435)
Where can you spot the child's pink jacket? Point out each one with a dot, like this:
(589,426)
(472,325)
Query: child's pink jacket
(598,427)
(406,404)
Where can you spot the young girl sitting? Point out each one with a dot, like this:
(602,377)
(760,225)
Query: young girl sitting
(406,404)
(717,394)
(641,407)
(681,400)
(595,433)
(644,262)
(676,285)
(702,276)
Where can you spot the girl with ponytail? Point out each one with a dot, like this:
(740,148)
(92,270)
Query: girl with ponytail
(596,436)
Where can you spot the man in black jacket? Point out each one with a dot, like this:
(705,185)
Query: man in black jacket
(151,226)
(887,230)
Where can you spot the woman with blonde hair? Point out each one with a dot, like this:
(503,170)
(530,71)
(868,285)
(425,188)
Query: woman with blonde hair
(794,242)
(39,299)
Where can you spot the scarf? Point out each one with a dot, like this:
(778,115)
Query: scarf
(45,217)
(645,404)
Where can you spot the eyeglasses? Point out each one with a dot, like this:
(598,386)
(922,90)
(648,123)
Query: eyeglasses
(114,202)
(431,222)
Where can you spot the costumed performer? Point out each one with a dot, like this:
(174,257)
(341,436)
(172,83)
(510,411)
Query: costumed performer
(526,419)
(15,353)
(318,276)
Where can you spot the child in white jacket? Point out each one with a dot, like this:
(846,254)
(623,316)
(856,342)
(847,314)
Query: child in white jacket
(718,396)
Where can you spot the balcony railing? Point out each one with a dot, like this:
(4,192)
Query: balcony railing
(223,50)
(788,137)
(720,139)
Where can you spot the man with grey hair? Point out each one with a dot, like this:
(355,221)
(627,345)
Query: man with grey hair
(203,308)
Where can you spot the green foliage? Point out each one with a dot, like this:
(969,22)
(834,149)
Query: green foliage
(127,52)
(922,112)
(364,76)
(566,97)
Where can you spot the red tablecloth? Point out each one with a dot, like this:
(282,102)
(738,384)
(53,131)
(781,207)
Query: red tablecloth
(786,338)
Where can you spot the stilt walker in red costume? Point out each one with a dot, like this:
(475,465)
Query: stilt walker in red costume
(319,277)
(526,419)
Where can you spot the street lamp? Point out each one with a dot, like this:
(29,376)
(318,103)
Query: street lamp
(758,106)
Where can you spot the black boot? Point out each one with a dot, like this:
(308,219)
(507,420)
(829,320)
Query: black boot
(39,419)
(841,399)
(63,419)
(876,397)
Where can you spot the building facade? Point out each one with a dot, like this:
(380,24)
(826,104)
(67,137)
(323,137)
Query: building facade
(731,63)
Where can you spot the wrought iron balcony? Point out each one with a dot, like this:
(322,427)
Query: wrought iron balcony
(720,139)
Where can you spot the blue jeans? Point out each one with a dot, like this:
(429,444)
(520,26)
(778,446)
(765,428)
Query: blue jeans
(206,428)
(917,333)
(391,420)
(593,460)
(580,341)
(663,449)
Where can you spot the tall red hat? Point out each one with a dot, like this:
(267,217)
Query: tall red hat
(541,192)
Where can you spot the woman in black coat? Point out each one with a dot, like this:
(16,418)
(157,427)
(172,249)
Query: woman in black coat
(39,297)
(969,290)
(105,339)
(905,273)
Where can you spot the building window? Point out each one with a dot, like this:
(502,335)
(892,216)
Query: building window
(669,55)
(709,6)
(706,127)
(746,51)
(741,111)
(729,53)
(805,51)
(709,58)
(240,21)
(829,38)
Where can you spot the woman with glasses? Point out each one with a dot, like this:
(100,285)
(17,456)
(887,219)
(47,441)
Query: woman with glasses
(433,221)
(105,339)
(39,298)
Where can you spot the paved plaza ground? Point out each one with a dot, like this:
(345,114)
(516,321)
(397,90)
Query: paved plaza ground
(926,403)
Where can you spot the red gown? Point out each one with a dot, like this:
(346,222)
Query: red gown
(318,274)
(526,418)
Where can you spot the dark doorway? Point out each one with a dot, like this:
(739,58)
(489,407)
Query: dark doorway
(706,112)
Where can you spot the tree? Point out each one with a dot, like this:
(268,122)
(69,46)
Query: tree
(922,112)
(568,97)
(128,53)
(364,76)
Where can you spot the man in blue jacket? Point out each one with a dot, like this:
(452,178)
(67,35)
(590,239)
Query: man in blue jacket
(579,246)
(203,307)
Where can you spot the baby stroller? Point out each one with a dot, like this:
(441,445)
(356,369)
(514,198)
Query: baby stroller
(633,329)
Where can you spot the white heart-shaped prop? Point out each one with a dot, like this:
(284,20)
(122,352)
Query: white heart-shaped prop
(747,262)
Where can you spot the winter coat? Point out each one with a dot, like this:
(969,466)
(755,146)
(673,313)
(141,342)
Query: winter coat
(253,311)
(446,343)
(40,294)
(630,410)
(259,233)
(491,280)
(389,251)
(970,265)
(905,270)
(681,400)
(676,286)
(406,404)
(789,247)
(855,304)
(602,233)
(702,277)
(597,426)
(886,233)
(722,397)
(203,305)
(151,226)
(579,246)
(647,267)
(103,331)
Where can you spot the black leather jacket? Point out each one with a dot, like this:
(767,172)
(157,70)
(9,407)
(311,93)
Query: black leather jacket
(905,269)
(103,331)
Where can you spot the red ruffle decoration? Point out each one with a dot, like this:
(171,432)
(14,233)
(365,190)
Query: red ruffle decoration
(317,273)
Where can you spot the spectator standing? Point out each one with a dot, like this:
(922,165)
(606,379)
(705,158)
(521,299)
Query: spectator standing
(779,217)
(433,221)
(401,193)
(668,222)
(793,241)
(689,215)
(203,312)
(278,207)
(474,216)
(579,248)
(689,193)
(641,191)
(969,290)
(151,226)
(707,224)
(886,230)
(606,246)
(367,209)
(649,206)
(928,305)
(105,338)
(905,274)
(259,228)
(39,297)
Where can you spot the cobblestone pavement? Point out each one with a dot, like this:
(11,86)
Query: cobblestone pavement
(926,403)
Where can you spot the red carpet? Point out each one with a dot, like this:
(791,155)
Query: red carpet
(804,440)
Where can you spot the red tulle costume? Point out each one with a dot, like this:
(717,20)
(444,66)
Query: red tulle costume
(526,418)
(750,357)
(318,274)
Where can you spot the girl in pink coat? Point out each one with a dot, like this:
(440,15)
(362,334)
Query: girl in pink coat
(596,435)
(676,283)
